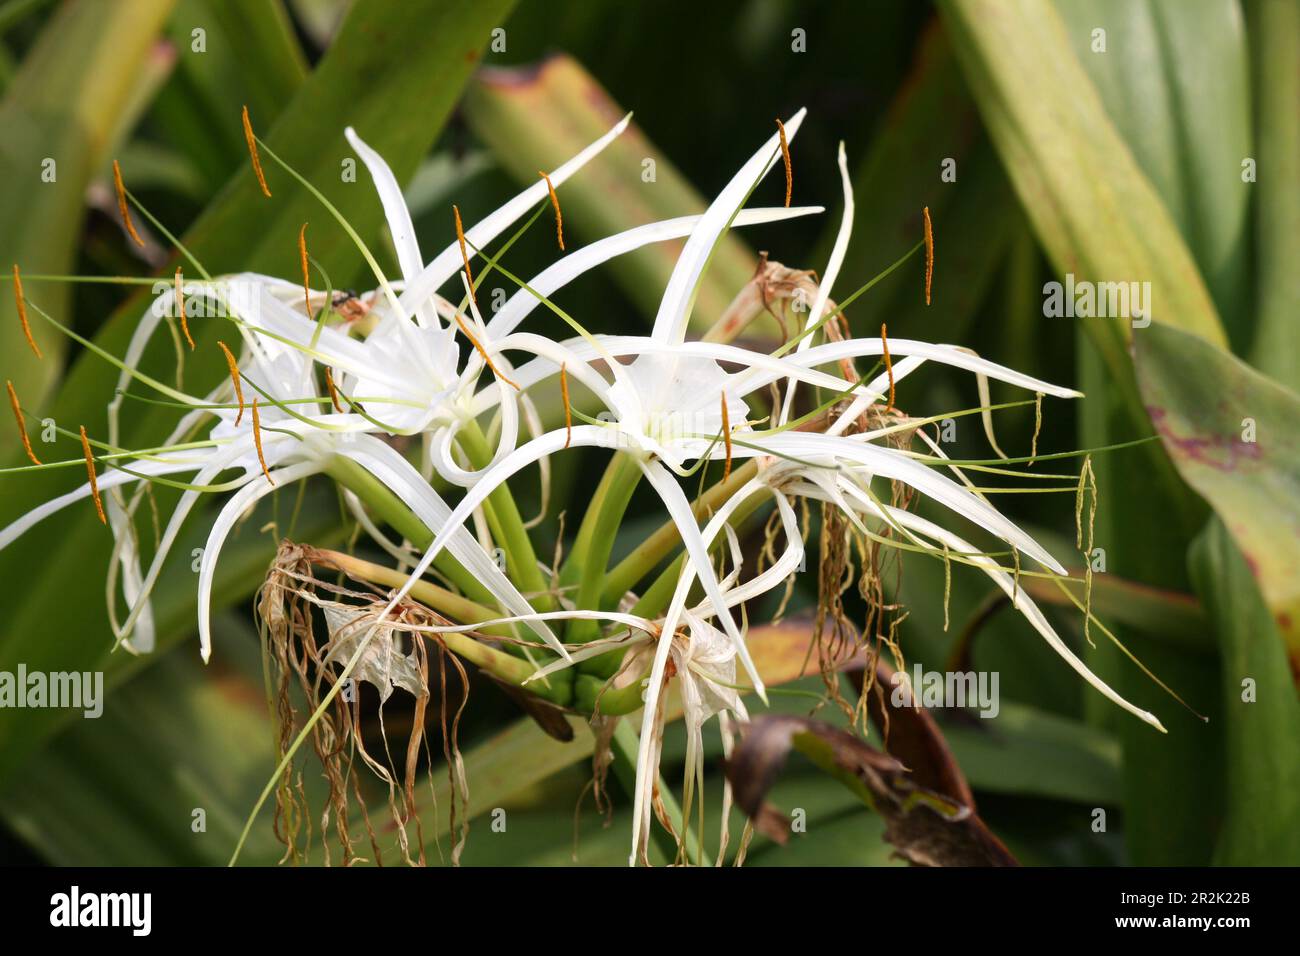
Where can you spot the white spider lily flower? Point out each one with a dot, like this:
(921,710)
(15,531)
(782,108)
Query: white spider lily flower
(293,445)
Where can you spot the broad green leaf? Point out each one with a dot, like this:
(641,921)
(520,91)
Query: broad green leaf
(1275,46)
(1260,708)
(1027,751)
(1175,81)
(59,115)
(1232,433)
(1096,214)
(182,746)
(229,51)
(537,117)
(57,620)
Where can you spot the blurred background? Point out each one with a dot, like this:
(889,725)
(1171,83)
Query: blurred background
(1119,155)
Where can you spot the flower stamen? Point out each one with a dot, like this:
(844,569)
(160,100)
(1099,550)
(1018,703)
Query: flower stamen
(252,152)
(122,206)
(889,365)
(257,441)
(568,411)
(94,481)
(555,202)
(306,275)
(483,352)
(334,392)
(22,311)
(234,378)
(22,426)
(785,157)
(180,308)
(929,252)
(464,255)
(726,437)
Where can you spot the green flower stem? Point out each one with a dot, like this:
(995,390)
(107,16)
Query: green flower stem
(395,512)
(624,576)
(623,748)
(508,526)
(590,556)
(595,673)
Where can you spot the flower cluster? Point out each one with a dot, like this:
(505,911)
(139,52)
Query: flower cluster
(325,384)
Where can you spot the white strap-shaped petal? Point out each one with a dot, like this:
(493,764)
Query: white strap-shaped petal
(674,308)
(226,518)
(890,463)
(395,211)
(112,479)
(520,458)
(697,541)
(401,477)
(832,272)
(448,262)
(763,369)
(126,556)
(679,509)
(1021,601)
(561,273)
(189,498)
(398,215)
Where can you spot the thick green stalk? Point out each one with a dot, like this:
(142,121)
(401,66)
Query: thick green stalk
(508,526)
(395,512)
(644,558)
(600,524)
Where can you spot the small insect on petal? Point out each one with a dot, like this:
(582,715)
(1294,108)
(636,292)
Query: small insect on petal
(785,158)
(122,206)
(568,410)
(889,366)
(726,437)
(180,308)
(22,425)
(234,378)
(22,311)
(334,392)
(555,202)
(252,152)
(257,441)
(929,252)
(464,255)
(306,275)
(94,481)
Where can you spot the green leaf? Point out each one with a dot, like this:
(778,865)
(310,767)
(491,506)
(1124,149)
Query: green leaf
(1030,752)
(249,55)
(1275,36)
(1260,708)
(1096,214)
(1175,81)
(1232,434)
(64,106)
(58,621)
(535,118)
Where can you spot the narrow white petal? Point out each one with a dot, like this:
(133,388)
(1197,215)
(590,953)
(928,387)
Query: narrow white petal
(670,322)
(240,502)
(561,273)
(448,262)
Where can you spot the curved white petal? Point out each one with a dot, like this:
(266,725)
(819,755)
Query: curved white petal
(226,518)
(448,262)
(564,271)
(670,322)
